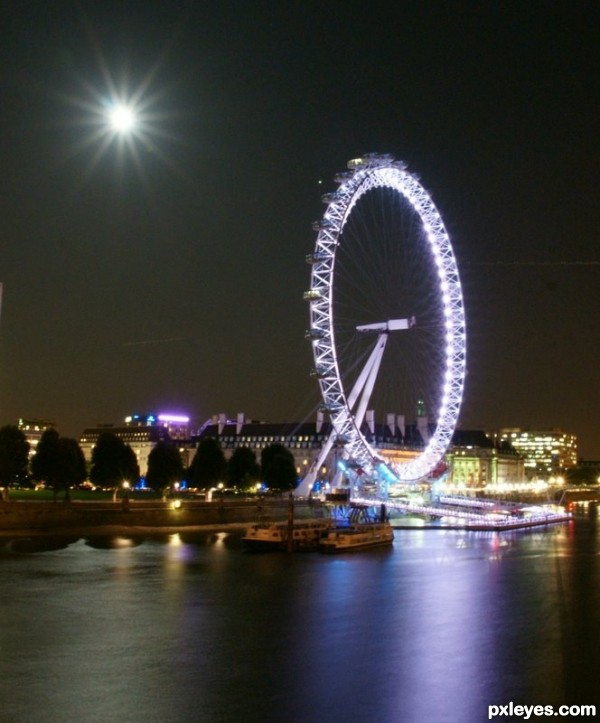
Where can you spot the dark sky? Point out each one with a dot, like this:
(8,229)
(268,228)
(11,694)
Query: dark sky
(170,274)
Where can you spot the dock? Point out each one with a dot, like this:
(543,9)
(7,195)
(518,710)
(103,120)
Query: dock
(480,514)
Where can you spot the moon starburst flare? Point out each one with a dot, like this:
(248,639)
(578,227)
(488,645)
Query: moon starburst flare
(121,118)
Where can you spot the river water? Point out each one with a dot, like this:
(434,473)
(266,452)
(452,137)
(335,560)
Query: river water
(188,628)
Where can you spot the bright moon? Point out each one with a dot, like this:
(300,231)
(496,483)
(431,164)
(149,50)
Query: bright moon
(121,118)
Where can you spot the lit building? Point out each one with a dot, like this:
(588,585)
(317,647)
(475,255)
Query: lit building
(33,430)
(397,442)
(477,461)
(303,440)
(177,425)
(142,432)
(546,453)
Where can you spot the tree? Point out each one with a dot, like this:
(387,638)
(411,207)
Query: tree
(71,465)
(14,455)
(208,466)
(278,467)
(45,464)
(113,462)
(164,466)
(242,469)
(59,462)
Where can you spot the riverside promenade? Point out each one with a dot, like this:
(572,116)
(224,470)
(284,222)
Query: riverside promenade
(77,517)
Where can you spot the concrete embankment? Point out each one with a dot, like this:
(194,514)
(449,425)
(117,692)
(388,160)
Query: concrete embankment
(48,517)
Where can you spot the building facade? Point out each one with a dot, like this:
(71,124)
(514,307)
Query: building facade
(33,430)
(303,440)
(546,453)
(474,459)
(142,432)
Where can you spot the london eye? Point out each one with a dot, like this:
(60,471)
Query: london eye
(387,325)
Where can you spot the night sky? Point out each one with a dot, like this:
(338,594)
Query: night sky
(166,273)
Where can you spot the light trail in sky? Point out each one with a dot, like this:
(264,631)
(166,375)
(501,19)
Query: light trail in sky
(144,342)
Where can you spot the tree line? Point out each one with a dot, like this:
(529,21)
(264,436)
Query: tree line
(59,463)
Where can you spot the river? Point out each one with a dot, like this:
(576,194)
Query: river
(192,628)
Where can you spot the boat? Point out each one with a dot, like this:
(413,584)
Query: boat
(306,535)
(357,537)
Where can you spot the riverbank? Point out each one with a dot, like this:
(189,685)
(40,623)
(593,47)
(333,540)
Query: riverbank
(137,517)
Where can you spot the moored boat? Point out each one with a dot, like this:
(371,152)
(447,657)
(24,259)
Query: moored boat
(306,535)
(357,537)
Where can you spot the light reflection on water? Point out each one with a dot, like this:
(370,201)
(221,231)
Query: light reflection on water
(192,628)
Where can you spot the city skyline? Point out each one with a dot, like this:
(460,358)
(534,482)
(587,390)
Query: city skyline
(167,270)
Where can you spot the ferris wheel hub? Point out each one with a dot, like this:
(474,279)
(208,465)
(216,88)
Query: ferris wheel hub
(386,326)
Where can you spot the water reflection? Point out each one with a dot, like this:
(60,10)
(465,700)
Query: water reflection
(41,543)
(113,542)
(187,627)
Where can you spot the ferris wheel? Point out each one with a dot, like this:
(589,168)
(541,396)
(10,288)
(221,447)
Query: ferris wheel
(387,326)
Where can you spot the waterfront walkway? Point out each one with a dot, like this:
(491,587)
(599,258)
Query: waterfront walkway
(76,516)
(480,514)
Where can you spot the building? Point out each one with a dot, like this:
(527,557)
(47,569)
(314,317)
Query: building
(142,432)
(177,425)
(304,440)
(476,461)
(547,453)
(33,430)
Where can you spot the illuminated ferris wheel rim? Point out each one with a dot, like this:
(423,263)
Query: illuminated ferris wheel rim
(364,174)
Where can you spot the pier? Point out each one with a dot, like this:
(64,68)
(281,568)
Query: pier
(481,514)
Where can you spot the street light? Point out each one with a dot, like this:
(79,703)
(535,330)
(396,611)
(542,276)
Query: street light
(125,486)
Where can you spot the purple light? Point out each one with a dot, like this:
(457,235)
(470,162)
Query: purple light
(179,418)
